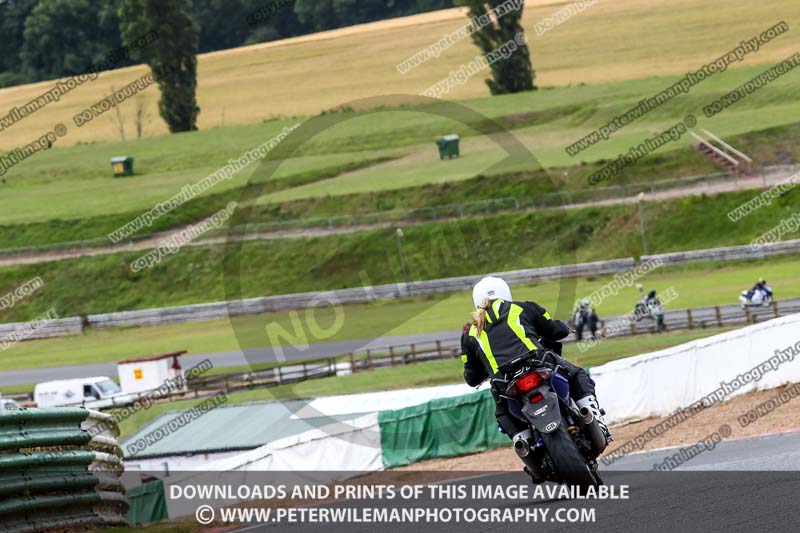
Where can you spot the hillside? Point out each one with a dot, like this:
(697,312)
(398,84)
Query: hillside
(299,77)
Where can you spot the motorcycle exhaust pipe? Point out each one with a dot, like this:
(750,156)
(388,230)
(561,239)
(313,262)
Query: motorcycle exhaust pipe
(596,435)
(522,448)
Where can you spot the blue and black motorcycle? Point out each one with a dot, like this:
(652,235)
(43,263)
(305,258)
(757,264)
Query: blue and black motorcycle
(565,440)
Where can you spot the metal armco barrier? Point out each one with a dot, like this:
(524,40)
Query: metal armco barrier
(731,253)
(255,306)
(409,354)
(269,304)
(706,317)
(59,469)
(60,327)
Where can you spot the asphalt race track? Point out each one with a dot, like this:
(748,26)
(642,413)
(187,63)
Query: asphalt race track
(724,489)
(223,359)
(778,452)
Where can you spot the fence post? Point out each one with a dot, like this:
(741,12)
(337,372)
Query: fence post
(369,360)
(719,315)
(633,328)
(689,317)
(414,353)
(352,363)
(775,308)
(305,371)
(439,349)
(748,315)
(391,354)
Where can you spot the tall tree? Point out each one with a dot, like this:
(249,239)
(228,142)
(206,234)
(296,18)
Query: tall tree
(172,58)
(512,74)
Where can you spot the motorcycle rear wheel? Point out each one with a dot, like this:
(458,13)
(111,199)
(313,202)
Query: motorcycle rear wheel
(570,465)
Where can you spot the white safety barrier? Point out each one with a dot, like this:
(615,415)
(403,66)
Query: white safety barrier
(354,445)
(380,401)
(332,453)
(725,365)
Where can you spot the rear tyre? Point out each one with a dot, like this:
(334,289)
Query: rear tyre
(570,465)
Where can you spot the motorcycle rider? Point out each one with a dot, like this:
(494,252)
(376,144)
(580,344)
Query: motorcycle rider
(762,286)
(655,310)
(503,329)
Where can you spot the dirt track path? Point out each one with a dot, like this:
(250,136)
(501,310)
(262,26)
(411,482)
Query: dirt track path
(768,179)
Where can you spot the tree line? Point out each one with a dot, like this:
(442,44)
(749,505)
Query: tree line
(48,39)
(61,38)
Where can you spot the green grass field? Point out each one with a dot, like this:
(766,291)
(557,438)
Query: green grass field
(773,146)
(697,285)
(78,180)
(67,186)
(502,242)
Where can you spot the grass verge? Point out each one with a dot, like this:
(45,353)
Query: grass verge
(508,241)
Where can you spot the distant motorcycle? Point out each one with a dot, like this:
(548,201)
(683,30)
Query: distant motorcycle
(755,298)
(651,309)
(566,440)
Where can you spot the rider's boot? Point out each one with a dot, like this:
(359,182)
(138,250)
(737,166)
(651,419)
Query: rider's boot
(590,402)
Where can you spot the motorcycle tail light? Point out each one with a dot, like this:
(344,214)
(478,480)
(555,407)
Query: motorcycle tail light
(528,382)
(536,398)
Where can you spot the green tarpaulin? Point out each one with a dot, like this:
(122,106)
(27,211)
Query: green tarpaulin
(440,428)
(148,503)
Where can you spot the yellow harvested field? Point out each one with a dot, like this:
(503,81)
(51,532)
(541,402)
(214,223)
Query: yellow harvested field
(305,75)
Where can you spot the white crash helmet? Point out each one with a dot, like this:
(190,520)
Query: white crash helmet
(492,288)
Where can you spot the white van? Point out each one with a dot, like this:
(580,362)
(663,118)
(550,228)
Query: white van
(94,392)
(8,403)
